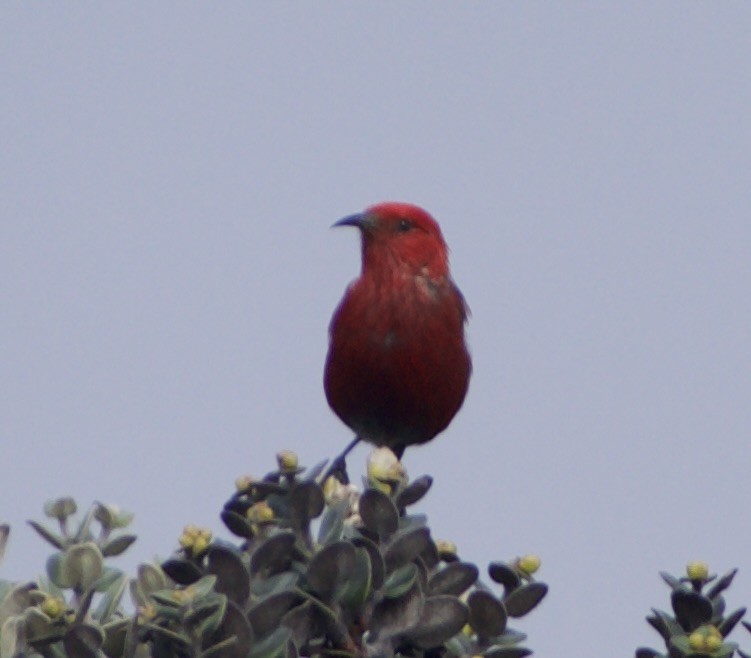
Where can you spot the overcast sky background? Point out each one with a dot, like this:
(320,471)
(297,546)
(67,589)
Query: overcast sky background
(168,175)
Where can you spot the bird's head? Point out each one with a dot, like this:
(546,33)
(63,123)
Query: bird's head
(400,235)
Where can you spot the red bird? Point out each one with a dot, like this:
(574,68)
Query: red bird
(398,367)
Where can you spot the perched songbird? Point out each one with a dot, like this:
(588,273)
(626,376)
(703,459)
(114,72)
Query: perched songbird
(398,367)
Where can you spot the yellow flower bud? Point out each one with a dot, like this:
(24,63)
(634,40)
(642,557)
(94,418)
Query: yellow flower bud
(260,512)
(712,642)
(191,530)
(243,482)
(53,607)
(696,641)
(697,570)
(146,613)
(529,564)
(287,461)
(384,487)
(385,468)
(201,544)
(446,547)
(181,596)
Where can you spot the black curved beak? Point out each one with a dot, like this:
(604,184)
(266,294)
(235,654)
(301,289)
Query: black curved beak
(361,220)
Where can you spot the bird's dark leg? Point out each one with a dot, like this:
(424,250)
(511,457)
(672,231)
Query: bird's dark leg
(338,467)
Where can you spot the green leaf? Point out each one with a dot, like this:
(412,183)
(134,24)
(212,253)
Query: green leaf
(109,576)
(357,587)
(503,574)
(40,628)
(205,614)
(378,512)
(691,609)
(4,534)
(525,598)
(83,534)
(267,613)
(274,554)
(274,646)
(151,578)
(233,578)
(377,565)
(414,491)
(57,573)
(83,641)
(400,581)
(729,623)
(82,565)
(395,615)
(507,652)
(118,545)
(455,578)
(405,546)
(722,584)
(182,570)
(50,537)
(332,523)
(672,581)
(487,615)
(441,618)
(330,567)
(204,586)
(10,633)
(115,635)
(111,599)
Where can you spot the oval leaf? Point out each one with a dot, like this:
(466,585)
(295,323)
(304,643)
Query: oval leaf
(392,616)
(400,581)
(503,574)
(237,524)
(83,641)
(455,578)
(306,502)
(232,578)
(377,564)
(355,590)
(378,512)
(274,646)
(691,609)
(405,547)
(508,652)
(524,599)
(54,539)
(118,545)
(414,491)
(234,625)
(442,617)
(274,554)
(266,615)
(486,614)
(329,567)
(182,571)
(82,564)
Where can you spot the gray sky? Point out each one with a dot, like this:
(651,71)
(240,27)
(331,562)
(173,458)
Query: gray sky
(168,174)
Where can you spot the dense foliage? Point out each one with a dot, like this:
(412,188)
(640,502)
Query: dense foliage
(699,625)
(318,569)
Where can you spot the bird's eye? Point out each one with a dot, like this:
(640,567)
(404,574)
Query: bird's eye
(404,225)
